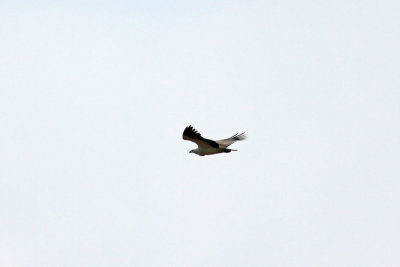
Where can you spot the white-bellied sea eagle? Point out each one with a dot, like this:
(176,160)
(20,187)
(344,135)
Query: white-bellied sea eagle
(207,146)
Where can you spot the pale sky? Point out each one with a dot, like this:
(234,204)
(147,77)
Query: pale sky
(95,95)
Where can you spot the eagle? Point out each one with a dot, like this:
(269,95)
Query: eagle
(207,146)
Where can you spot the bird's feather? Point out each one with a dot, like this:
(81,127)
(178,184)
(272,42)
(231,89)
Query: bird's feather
(224,143)
(192,135)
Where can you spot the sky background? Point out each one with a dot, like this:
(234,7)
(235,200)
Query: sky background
(95,95)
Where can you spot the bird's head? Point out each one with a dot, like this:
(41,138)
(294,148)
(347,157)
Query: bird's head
(191,151)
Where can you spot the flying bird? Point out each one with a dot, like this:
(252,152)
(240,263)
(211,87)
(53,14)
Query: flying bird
(207,146)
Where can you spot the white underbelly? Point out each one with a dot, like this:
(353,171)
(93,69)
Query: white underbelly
(209,151)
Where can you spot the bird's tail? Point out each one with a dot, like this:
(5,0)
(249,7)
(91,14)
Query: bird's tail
(227,150)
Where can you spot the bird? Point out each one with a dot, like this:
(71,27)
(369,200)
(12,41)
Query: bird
(207,146)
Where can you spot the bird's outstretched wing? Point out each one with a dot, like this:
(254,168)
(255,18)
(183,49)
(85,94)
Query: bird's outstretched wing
(224,143)
(192,135)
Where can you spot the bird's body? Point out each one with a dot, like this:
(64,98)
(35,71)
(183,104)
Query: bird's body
(207,146)
(203,151)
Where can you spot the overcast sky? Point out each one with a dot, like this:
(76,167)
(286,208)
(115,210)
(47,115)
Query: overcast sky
(95,95)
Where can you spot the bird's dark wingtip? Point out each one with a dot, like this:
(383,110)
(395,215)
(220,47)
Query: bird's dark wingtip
(191,133)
